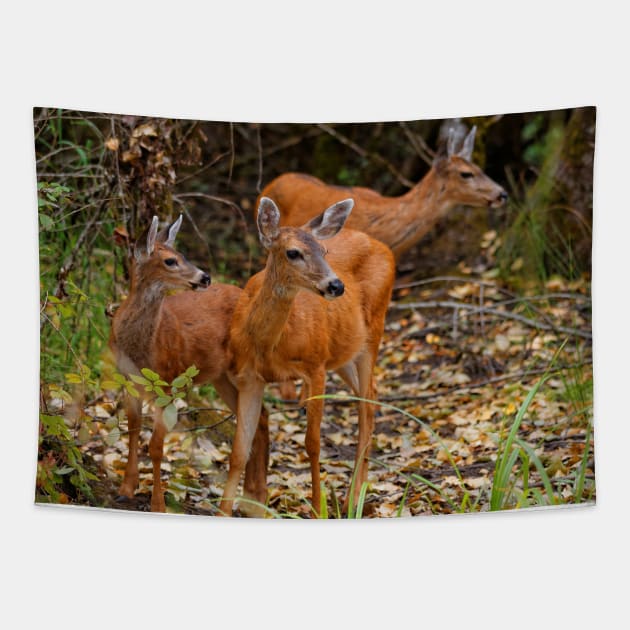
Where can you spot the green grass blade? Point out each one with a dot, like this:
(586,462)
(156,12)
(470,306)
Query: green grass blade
(323,503)
(401,505)
(541,470)
(361,501)
(500,481)
(578,486)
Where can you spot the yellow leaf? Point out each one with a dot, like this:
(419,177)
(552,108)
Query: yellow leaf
(112,144)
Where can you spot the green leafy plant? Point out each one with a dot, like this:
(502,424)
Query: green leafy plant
(153,388)
(61,472)
(50,197)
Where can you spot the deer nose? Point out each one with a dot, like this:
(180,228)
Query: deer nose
(502,196)
(205,280)
(335,288)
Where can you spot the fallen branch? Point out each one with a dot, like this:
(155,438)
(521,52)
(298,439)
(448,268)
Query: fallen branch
(493,311)
(491,381)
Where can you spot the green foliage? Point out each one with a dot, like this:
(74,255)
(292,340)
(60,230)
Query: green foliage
(61,474)
(536,244)
(153,389)
(506,458)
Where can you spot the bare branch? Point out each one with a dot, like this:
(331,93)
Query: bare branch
(425,153)
(374,157)
(495,312)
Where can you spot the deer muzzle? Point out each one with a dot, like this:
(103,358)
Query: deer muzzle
(334,289)
(202,283)
(499,200)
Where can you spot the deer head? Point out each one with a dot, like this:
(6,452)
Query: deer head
(295,255)
(463,181)
(157,263)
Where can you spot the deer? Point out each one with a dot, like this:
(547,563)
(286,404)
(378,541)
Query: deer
(311,309)
(399,222)
(169,333)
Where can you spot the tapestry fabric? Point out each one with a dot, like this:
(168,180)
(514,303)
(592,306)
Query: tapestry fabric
(368,320)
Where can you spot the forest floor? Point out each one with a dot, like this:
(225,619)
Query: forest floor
(458,358)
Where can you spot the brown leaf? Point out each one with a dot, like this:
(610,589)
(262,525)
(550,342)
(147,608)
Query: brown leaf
(133,153)
(148,129)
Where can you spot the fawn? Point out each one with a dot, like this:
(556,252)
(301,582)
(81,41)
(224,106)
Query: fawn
(170,333)
(311,309)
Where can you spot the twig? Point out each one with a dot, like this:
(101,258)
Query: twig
(463,279)
(375,157)
(469,386)
(260,160)
(178,198)
(285,144)
(494,285)
(66,268)
(205,167)
(419,145)
(482,319)
(227,202)
(68,344)
(492,311)
(232,153)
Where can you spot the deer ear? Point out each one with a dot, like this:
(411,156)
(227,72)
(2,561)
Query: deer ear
(139,250)
(450,142)
(329,222)
(468,145)
(168,234)
(268,222)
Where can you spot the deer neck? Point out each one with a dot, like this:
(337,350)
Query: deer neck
(139,320)
(416,212)
(269,310)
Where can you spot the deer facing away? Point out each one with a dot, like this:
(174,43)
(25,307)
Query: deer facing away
(169,334)
(399,222)
(283,328)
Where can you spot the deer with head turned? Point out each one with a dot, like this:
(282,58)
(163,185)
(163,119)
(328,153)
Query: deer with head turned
(312,308)
(399,222)
(168,334)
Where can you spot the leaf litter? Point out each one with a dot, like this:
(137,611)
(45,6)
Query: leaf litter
(462,374)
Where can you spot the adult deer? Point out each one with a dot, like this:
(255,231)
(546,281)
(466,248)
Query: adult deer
(399,222)
(168,334)
(311,309)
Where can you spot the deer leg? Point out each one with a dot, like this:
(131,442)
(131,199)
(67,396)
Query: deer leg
(255,485)
(156,452)
(314,411)
(348,373)
(248,416)
(133,410)
(364,366)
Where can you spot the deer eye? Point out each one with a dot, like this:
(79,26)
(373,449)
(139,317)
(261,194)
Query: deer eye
(466,174)
(293,254)
(170,262)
